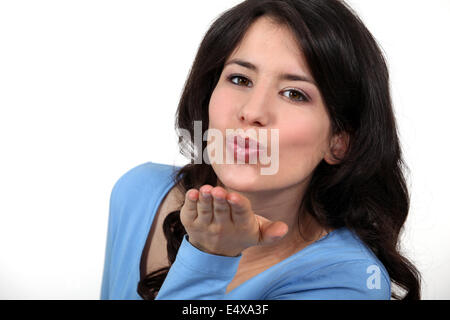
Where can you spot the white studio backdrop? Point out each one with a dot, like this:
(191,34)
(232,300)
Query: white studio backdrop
(89,89)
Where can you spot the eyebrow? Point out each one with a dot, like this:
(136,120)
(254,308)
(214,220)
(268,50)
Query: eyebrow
(284,76)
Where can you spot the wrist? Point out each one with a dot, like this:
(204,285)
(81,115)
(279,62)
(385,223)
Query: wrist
(201,248)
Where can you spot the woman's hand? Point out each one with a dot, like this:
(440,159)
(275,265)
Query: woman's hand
(223,223)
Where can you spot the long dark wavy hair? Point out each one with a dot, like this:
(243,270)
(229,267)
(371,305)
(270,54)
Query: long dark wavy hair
(366,191)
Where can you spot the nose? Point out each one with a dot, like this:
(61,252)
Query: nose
(255,110)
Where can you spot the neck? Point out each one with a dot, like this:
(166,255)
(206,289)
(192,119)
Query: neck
(282,205)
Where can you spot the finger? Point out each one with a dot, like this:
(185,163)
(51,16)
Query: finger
(271,231)
(222,211)
(204,205)
(241,210)
(188,212)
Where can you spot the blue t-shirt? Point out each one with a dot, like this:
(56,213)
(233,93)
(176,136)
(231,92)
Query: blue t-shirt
(338,266)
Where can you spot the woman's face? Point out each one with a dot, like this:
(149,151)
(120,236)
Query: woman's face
(260,97)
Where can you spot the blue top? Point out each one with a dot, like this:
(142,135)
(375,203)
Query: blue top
(337,266)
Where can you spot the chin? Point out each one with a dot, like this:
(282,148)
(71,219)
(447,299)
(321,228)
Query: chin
(240,177)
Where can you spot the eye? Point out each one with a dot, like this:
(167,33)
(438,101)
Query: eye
(295,95)
(238,80)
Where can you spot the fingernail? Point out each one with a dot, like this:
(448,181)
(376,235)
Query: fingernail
(206,195)
(191,196)
(231,201)
(276,239)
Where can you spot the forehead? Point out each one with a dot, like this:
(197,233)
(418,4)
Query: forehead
(268,43)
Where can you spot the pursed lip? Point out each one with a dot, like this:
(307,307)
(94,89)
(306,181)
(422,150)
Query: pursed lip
(240,141)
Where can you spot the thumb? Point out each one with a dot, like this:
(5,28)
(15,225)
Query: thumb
(271,231)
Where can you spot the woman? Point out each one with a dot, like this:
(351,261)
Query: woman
(326,223)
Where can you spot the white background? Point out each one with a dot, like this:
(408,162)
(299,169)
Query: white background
(89,89)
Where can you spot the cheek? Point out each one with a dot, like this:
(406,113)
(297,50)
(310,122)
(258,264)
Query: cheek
(219,107)
(304,138)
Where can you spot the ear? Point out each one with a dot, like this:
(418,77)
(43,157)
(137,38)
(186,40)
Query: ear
(338,147)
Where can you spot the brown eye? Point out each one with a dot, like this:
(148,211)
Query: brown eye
(295,95)
(239,80)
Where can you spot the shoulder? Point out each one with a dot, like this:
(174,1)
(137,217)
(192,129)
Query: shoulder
(340,266)
(146,173)
(137,190)
(352,279)
(143,177)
